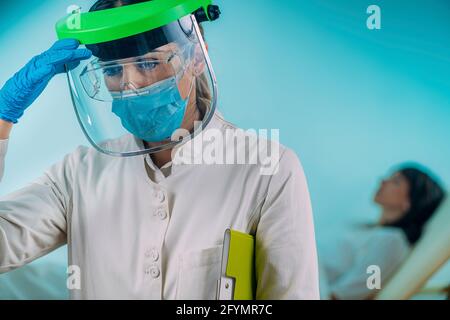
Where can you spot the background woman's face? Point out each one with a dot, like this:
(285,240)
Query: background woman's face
(393,196)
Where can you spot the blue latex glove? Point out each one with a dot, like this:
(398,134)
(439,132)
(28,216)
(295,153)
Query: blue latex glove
(25,86)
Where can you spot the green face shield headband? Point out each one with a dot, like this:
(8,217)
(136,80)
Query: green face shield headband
(149,69)
(121,22)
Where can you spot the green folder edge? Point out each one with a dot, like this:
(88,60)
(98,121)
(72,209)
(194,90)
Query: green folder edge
(240,264)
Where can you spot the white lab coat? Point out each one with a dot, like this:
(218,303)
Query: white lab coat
(133,237)
(344,263)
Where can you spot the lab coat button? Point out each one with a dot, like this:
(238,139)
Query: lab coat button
(154,271)
(160,196)
(162,214)
(154,254)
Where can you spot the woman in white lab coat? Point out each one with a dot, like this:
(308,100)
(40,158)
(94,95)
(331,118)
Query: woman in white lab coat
(149,226)
(407,199)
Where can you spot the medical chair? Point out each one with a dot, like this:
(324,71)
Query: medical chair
(429,254)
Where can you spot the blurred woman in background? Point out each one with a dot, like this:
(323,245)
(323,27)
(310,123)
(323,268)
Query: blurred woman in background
(408,198)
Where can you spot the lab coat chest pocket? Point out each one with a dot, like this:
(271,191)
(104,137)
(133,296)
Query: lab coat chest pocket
(198,272)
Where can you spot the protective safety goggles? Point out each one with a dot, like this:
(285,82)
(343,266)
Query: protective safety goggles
(105,81)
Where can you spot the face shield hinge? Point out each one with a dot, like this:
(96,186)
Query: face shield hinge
(213,13)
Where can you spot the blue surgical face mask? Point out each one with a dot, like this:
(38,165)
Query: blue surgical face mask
(152,113)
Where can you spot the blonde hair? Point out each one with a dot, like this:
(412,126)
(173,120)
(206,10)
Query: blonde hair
(203,90)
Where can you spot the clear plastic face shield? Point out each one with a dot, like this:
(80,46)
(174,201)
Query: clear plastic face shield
(141,94)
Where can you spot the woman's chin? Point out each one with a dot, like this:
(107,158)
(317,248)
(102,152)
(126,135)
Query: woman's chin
(376,198)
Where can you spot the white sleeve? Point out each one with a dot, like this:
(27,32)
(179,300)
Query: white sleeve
(286,258)
(386,249)
(3,149)
(33,219)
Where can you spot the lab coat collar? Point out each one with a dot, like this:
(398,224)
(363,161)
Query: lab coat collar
(185,148)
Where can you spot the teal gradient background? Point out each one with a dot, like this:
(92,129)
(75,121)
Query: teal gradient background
(353,103)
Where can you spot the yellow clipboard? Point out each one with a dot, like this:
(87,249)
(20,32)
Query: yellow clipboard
(237,280)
